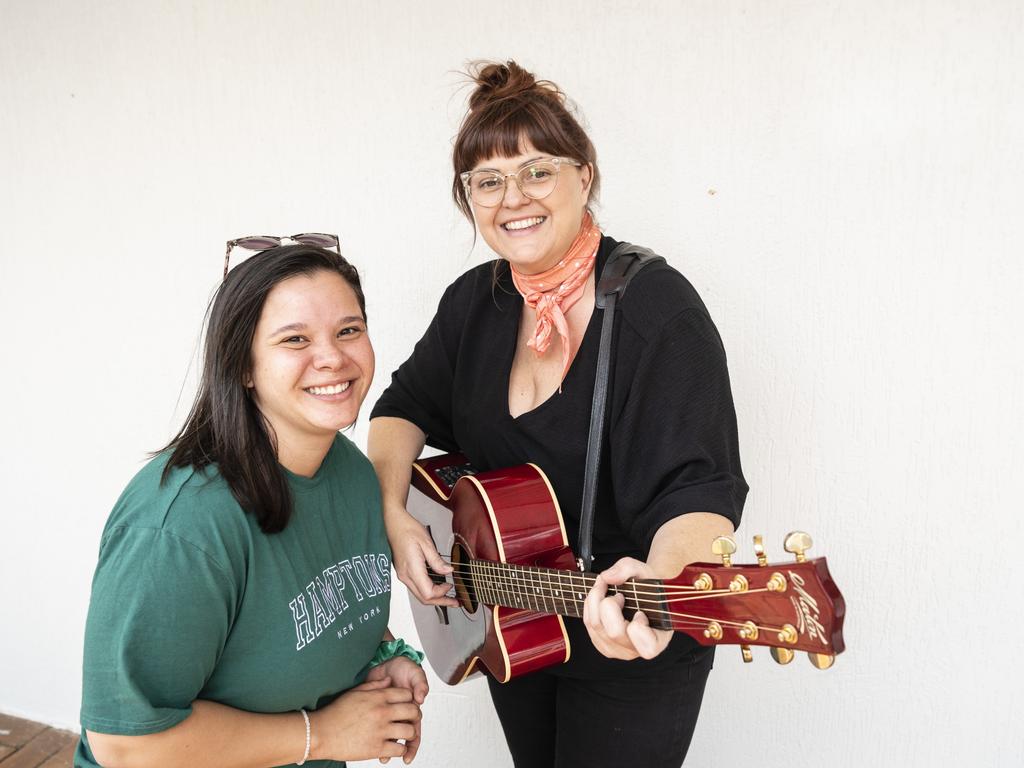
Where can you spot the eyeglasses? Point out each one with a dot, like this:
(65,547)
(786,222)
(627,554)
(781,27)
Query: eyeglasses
(535,180)
(262,242)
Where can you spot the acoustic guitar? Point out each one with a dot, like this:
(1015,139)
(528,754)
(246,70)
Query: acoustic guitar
(515,577)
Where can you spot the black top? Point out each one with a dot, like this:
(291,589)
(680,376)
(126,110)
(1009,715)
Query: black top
(671,445)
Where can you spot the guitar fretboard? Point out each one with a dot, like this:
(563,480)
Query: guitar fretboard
(551,590)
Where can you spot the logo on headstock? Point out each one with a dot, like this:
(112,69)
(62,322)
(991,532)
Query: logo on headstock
(807,611)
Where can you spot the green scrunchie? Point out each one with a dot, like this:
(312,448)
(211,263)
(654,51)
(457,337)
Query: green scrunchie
(389,649)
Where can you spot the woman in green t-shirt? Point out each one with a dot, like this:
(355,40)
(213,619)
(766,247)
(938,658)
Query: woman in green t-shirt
(240,605)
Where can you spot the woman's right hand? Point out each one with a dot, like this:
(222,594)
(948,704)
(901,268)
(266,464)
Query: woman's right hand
(372,720)
(393,444)
(412,553)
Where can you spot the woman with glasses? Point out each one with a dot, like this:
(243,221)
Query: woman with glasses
(239,609)
(505,374)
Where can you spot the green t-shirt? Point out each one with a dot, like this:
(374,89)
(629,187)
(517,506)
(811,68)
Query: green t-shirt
(191,600)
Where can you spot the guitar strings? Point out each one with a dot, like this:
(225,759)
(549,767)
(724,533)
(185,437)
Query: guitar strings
(501,581)
(695,621)
(502,585)
(507,576)
(497,567)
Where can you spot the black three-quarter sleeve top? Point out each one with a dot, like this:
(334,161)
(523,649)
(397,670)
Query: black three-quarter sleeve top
(671,445)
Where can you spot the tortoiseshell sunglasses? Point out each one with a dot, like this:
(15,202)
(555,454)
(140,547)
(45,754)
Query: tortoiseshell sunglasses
(262,242)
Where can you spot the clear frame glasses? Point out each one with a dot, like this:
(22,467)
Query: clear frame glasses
(536,180)
(262,242)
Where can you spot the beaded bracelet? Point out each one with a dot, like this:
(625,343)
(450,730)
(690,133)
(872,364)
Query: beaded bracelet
(305,755)
(390,649)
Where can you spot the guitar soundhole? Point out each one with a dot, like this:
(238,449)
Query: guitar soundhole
(464,591)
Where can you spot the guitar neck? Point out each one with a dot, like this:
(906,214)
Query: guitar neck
(550,590)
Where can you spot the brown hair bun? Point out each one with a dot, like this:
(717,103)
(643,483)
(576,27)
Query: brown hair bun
(497,82)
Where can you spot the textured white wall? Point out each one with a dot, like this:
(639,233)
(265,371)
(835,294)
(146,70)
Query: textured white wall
(841,180)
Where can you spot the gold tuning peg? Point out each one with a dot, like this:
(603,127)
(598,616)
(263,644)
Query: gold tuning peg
(747,655)
(759,551)
(724,546)
(782,655)
(798,542)
(822,660)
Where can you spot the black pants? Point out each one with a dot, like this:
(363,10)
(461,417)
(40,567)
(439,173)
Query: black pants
(553,721)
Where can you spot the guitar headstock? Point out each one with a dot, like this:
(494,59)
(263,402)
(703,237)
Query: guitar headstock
(789,607)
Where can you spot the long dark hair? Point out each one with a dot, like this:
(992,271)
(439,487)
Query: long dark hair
(224,426)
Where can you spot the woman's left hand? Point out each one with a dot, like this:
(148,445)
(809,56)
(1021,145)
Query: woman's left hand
(609,631)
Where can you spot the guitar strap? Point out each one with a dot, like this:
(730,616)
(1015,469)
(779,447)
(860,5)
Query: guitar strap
(622,265)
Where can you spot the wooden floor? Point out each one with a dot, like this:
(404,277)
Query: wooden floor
(24,744)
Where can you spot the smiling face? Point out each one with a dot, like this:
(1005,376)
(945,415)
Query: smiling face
(312,361)
(533,234)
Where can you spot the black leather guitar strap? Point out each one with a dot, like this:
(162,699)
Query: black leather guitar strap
(623,263)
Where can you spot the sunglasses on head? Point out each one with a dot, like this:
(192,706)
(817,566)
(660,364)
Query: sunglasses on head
(263,242)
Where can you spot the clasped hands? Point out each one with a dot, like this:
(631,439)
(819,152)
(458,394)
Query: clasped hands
(378,718)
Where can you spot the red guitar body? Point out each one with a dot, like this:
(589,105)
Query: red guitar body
(508,516)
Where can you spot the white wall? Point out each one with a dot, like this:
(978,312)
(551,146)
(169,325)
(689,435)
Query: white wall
(861,253)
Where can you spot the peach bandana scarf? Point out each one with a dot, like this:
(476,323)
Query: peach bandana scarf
(550,294)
